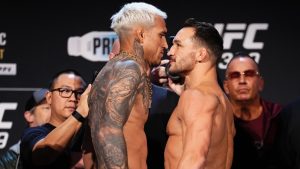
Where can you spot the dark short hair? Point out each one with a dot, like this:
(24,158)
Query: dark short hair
(207,34)
(65,71)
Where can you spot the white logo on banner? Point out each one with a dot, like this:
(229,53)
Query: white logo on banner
(8,69)
(94,46)
(240,32)
(5,124)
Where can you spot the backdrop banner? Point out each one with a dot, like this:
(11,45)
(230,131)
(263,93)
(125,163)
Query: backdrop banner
(38,40)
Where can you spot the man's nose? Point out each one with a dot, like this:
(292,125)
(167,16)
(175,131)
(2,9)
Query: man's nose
(169,52)
(165,44)
(242,78)
(73,97)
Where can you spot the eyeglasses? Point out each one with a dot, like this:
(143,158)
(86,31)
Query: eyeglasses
(237,75)
(67,93)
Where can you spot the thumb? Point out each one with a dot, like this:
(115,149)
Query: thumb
(165,61)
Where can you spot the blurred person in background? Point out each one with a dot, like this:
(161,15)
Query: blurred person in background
(288,136)
(255,119)
(37,112)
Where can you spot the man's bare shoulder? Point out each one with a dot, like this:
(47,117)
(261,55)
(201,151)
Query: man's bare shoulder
(116,69)
(198,95)
(115,77)
(199,100)
(123,64)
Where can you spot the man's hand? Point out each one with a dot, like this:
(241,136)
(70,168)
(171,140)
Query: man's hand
(83,108)
(158,74)
(175,87)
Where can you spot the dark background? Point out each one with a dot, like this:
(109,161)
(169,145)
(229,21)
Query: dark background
(37,34)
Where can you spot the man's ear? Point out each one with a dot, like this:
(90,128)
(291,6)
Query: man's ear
(261,84)
(49,97)
(225,86)
(29,117)
(140,35)
(202,55)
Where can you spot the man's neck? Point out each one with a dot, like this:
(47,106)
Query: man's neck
(247,110)
(55,120)
(200,76)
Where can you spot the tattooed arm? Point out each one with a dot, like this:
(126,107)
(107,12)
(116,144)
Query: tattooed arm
(112,100)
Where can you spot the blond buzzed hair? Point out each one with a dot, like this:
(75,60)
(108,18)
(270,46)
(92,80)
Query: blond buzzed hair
(135,13)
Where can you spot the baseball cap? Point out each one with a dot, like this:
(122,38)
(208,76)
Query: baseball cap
(36,98)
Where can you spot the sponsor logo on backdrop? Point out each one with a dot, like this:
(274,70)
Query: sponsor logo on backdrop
(2,44)
(94,46)
(8,69)
(5,125)
(242,32)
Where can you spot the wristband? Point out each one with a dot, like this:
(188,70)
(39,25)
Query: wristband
(78,116)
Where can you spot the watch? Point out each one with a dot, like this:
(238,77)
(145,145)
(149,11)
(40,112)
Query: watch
(78,116)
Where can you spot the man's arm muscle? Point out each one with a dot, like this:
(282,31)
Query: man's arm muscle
(107,131)
(198,113)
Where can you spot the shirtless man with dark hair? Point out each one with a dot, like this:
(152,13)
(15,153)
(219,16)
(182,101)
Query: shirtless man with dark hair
(201,127)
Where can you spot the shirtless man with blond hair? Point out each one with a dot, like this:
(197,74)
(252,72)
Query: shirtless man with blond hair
(121,94)
(201,127)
